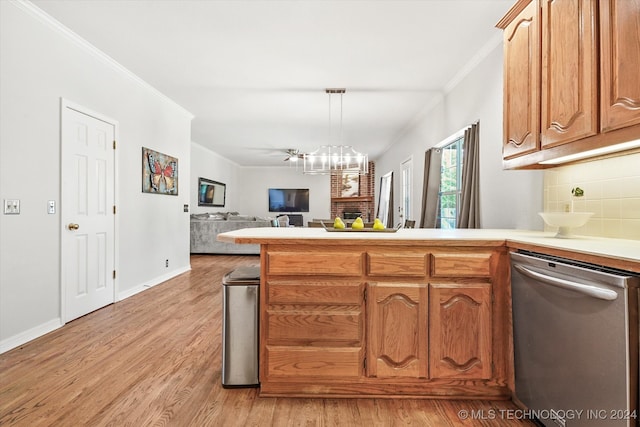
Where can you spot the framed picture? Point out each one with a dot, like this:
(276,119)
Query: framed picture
(211,193)
(350,186)
(159,173)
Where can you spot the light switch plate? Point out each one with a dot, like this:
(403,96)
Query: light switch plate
(11,206)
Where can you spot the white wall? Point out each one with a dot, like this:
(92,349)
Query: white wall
(247,187)
(255,183)
(39,64)
(508,199)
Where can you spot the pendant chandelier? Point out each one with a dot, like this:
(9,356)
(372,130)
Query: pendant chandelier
(335,158)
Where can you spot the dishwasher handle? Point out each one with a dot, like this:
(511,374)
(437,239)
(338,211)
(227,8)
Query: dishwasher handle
(592,291)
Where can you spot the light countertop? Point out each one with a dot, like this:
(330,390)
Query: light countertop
(620,251)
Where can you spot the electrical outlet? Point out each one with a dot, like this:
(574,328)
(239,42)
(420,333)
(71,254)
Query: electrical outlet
(51,207)
(166,263)
(11,207)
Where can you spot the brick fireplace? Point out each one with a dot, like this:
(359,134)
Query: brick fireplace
(363,202)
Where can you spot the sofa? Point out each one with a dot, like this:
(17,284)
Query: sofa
(206,227)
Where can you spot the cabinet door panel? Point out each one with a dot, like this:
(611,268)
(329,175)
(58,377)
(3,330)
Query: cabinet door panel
(314,293)
(461,265)
(315,263)
(620,52)
(522,84)
(314,326)
(460,331)
(336,362)
(397,334)
(569,71)
(396,264)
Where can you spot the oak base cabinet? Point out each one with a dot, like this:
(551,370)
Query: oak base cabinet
(460,330)
(397,320)
(397,336)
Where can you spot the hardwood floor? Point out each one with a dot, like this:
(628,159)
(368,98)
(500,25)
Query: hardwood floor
(155,359)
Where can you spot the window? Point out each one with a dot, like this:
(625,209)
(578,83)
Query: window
(450,182)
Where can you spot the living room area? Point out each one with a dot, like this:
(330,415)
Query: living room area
(249,194)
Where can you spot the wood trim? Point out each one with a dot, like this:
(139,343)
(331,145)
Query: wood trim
(531,161)
(438,389)
(352,199)
(512,13)
(310,241)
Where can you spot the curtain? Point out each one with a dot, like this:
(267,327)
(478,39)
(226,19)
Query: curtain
(431,188)
(469,209)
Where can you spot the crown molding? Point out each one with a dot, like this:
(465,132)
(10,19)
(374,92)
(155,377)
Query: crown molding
(512,13)
(215,153)
(57,26)
(472,63)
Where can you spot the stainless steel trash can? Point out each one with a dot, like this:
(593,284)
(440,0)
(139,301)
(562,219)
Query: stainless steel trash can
(240,297)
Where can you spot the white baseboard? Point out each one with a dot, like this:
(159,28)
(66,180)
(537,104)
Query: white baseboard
(151,283)
(31,334)
(52,325)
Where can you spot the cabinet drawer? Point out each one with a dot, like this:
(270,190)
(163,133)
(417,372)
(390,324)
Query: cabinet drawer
(461,264)
(345,326)
(396,264)
(314,362)
(316,293)
(311,263)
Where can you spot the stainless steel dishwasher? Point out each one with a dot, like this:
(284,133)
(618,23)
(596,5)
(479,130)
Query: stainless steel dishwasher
(575,332)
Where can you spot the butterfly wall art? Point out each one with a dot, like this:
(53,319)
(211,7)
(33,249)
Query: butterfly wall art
(159,173)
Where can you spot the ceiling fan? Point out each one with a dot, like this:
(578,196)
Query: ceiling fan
(293,155)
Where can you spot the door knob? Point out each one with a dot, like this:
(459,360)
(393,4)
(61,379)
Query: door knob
(73,226)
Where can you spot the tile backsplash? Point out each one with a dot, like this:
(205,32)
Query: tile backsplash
(611,190)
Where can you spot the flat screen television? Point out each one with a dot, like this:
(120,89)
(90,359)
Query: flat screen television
(211,193)
(288,200)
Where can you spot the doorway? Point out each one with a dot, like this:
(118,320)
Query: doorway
(406,207)
(87,211)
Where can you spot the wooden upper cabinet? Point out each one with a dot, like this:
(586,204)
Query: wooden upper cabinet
(397,330)
(571,78)
(522,83)
(569,83)
(620,64)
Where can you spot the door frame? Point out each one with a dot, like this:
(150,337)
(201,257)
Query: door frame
(403,166)
(66,105)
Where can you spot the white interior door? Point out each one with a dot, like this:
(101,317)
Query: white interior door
(87,213)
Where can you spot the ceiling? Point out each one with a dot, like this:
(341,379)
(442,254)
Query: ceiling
(254,72)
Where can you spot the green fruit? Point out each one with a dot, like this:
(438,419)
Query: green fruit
(338,223)
(358,224)
(378,225)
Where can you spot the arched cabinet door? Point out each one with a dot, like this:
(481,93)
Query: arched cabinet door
(397,335)
(521,124)
(620,62)
(460,330)
(569,71)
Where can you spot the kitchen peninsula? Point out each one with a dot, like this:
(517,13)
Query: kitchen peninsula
(415,313)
